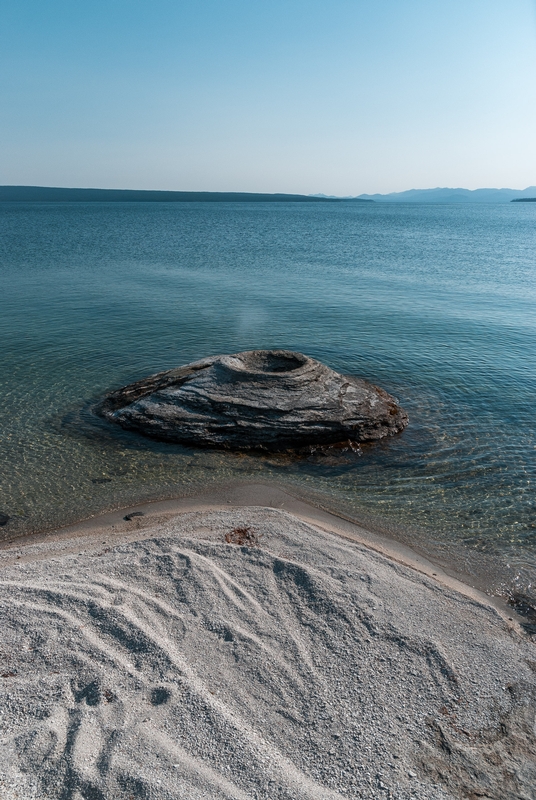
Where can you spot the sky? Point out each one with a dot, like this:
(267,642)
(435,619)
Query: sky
(337,97)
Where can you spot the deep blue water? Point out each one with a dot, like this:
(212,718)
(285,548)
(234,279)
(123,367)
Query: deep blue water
(436,303)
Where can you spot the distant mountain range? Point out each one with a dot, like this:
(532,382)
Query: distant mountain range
(453,196)
(45,194)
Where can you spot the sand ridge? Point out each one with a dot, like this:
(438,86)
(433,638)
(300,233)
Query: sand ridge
(178,665)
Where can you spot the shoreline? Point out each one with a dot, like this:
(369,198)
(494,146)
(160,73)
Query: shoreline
(167,656)
(249,494)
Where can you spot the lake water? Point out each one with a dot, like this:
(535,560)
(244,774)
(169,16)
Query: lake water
(436,303)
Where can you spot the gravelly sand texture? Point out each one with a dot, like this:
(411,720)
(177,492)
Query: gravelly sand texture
(305,666)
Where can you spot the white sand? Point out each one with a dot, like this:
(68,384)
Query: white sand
(176,665)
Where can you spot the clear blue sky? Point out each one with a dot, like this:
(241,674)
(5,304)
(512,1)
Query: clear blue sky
(338,96)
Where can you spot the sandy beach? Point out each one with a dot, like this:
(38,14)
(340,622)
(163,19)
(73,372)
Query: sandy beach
(249,645)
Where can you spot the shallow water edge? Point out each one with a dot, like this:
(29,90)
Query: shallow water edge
(483,580)
(434,304)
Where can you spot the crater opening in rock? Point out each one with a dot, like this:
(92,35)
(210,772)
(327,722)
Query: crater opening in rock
(270,361)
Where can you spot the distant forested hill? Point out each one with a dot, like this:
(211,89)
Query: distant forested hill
(52,194)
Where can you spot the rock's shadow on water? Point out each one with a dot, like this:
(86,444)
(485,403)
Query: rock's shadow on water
(410,449)
(276,407)
(81,422)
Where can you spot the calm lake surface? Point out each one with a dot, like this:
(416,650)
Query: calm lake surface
(436,303)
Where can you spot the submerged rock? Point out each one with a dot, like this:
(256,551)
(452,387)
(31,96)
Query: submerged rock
(258,399)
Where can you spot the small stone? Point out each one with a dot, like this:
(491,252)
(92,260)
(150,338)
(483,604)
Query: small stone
(4,519)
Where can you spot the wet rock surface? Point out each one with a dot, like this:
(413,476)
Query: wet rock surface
(258,399)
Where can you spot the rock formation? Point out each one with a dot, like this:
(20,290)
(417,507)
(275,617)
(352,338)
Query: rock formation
(258,399)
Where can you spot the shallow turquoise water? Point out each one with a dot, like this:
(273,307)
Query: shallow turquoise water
(434,303)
